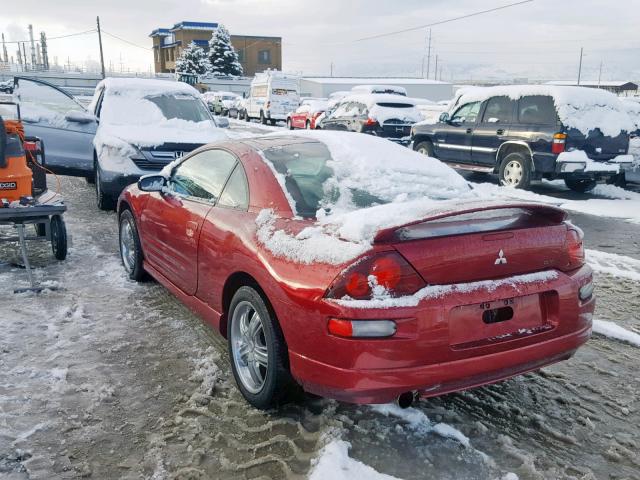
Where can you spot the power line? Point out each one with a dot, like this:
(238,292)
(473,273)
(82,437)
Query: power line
(57,38)
(482,12)
(125,41)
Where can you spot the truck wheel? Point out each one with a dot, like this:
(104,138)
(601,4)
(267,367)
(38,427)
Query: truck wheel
(58,237)
(272,122)
(425,148)
(580,186)
(515,171)
(263,119)
(104,200)
(258,351)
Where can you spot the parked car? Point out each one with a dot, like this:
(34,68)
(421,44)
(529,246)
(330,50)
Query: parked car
(383,115)
(413,285)
(306,114)
(223,103)
(272,96)
(390,89)
(526,133)
(144,125)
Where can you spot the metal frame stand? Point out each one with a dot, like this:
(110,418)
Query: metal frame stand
(25,258)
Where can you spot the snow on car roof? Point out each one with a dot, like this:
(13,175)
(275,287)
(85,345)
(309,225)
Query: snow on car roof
(142,87)
(371,99)
(579,107)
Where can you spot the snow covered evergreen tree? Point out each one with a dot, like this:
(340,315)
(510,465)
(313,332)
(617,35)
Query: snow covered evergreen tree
(223,58)
(193,59)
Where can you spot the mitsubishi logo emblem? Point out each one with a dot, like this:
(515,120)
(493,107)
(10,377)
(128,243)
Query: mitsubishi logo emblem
(501,260)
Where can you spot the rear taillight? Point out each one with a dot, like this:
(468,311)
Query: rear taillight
(559,143)
(386,274)
(361,328)
(370,122)
(575,247)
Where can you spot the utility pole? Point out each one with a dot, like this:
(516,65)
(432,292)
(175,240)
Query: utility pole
(33,47)
(331,69)
(428,55)
(600,74)
(4,50)
(580,66)
(435,76)
(24,56)
(45,54)
(100,42)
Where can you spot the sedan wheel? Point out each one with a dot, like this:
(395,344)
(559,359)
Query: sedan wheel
(250,354)
(259,354)
(130,249)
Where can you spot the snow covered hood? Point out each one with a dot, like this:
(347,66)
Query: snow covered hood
(411,186)
(582,108)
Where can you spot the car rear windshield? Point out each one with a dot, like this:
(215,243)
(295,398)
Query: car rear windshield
(182,107)
(394,105)
(307,174)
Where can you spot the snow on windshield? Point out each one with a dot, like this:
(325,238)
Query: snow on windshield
(582,108)
(148,113)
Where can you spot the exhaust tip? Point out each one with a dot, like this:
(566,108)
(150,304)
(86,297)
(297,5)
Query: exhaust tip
(405,400)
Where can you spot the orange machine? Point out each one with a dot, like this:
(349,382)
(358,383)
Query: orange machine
(16,178)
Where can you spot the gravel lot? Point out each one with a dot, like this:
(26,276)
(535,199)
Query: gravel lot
(104,378)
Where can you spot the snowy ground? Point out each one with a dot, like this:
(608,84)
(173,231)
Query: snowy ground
(105,378)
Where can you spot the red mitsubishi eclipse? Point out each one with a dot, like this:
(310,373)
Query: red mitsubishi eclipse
(356,268)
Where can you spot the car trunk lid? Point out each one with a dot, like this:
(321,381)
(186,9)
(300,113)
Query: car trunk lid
(483,243)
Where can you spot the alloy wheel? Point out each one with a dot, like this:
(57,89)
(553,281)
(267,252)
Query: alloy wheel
(127,246)
(249,346)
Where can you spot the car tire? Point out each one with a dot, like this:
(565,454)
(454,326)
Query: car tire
(263,119)
(90,179)
(263,386)
(104,200)
(58,237)
(425,148)
(129,246)
(580,186)
(289,125)
(515,171)
(308,125)
(272,122)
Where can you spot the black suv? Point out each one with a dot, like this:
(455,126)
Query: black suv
(520,140)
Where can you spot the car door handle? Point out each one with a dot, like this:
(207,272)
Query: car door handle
(500,131)
(469,130)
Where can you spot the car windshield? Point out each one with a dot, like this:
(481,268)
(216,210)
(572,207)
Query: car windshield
(128,109)
(180,106)
(305,167)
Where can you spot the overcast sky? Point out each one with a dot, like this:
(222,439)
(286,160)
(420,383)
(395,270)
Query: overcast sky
(536,40)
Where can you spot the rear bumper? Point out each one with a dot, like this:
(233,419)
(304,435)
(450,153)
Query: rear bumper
(427,355)
(383,386)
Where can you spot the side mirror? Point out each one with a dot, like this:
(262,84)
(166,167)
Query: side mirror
(79,117)
(3,144)
(152,183)
(222,122)
(444,117)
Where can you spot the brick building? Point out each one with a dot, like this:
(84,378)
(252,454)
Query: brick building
(256,53)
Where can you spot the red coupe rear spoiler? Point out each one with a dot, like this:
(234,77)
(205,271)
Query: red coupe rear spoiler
(554,214)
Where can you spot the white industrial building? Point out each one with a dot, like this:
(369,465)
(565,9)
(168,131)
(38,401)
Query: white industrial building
(416,87)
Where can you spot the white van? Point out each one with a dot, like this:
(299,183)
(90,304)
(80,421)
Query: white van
(273,95)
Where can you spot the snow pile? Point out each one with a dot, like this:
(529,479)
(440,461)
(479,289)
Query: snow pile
(128,117)
(612,330)
(312,106)
(584,109)
(619,266)
(334,463)
(438,291)
(417,421)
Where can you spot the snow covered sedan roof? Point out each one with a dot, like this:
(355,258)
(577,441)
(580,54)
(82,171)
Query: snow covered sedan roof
(582,108)
(143,87)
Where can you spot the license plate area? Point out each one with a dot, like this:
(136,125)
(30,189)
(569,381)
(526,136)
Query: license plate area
(496,320)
